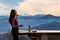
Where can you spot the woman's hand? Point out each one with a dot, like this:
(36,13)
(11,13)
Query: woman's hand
(20,25)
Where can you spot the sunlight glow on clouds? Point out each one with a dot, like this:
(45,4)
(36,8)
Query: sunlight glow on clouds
(32,7)
(39,6)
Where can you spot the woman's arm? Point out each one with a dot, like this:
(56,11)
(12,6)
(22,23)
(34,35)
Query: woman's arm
(18,26)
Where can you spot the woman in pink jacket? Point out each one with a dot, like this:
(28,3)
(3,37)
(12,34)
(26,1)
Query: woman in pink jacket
(14,23)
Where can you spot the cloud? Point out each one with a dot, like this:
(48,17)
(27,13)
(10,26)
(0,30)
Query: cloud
(39,6)
(4,9)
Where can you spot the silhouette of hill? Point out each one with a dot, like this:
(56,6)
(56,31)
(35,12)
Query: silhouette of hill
(32,17)
(49,26)
(38,16)
(49,16)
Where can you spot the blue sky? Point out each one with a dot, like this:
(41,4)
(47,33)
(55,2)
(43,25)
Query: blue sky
(11,3)
(31,7)
(14,2)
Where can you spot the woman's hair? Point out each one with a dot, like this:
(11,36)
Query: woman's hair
(12,15)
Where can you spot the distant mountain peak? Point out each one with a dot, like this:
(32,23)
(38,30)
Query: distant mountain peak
(49,15)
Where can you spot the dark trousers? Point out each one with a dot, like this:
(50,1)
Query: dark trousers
(15,33)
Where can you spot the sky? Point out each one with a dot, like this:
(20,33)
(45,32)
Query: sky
(30,7)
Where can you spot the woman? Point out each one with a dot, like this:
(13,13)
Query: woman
(14,23)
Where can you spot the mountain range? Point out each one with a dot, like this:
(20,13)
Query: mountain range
(38,16)
(34,21)
(49,16)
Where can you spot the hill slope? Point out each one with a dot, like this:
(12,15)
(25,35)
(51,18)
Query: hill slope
(48,26)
